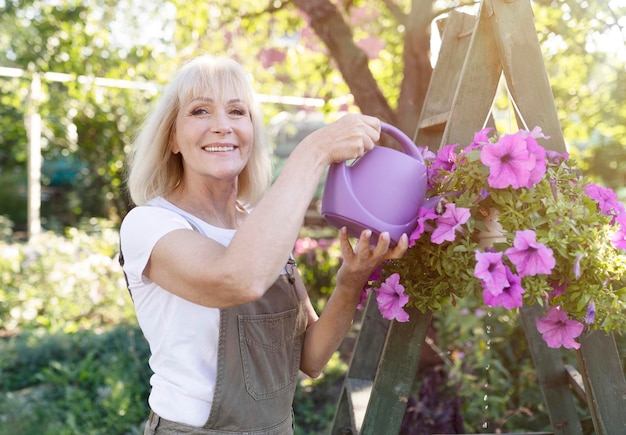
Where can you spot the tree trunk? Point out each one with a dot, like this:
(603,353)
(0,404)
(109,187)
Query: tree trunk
(417,66)
(329,25)
(352,62)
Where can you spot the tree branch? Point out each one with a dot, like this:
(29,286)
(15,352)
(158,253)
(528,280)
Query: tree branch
(352,62)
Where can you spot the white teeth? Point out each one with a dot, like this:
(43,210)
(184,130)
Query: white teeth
(218,149)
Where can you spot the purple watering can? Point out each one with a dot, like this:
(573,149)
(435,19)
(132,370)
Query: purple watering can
(381,191)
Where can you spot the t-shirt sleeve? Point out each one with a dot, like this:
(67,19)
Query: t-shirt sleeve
(141,229)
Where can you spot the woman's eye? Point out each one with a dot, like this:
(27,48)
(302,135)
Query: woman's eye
(199,111)
(238,112)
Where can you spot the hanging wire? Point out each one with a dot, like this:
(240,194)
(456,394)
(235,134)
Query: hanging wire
(515,107)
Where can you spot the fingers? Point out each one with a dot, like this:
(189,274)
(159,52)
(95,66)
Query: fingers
(399,250)
(382,250)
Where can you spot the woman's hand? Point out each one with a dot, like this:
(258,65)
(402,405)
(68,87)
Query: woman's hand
(361,260)
(347,138)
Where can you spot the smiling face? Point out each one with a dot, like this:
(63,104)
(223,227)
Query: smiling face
(214,135)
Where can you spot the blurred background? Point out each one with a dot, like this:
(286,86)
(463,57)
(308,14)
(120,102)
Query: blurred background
(78,77)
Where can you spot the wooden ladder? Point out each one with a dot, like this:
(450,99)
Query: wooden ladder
(475,53)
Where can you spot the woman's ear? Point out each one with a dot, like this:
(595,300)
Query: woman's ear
(174,148)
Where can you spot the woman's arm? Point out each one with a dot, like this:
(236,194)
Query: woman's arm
(209,274)
(324,335)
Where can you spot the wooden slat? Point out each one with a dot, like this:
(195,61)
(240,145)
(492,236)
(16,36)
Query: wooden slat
(522,62)
(576,382)
(551,377)
(359,392)
(434,120)
(477,85)
(396,372)
(366,353)
(455,39)
(601,369)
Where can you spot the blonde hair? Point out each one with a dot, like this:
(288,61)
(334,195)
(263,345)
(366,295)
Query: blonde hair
(154,170)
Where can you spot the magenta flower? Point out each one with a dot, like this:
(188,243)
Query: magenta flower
(607,201)
(536,133)
(557,290)
(492,271)
(619,237)
(448,223)
(539,170)
(480,137)
(590,315)
(510,297)
(509,162)
(363,298)
(423,215)
(557,330)
(529,256)
(391,299)
(446,158)
(577,265)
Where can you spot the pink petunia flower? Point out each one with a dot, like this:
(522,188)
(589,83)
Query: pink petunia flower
(535,133)
(607,201)
(391,299)
(529,256)
(509,161)
(491,271)
(557,330)
(481,137)
(590,315)
(446,158)
(424,214)
(510,297)
(539,170)
(557,290)
(363,298)
(448,223)
(619,237)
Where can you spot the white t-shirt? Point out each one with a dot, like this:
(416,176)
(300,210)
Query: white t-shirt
(183,336)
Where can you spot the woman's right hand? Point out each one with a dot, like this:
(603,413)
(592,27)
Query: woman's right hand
(348,138)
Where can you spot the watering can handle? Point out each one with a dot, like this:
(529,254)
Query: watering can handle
(405,142)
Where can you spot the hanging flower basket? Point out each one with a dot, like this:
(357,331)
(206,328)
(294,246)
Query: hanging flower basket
(515,224)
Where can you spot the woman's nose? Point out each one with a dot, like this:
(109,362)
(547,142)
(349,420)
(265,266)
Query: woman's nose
(221,124)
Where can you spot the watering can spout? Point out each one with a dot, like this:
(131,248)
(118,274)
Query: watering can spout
(382,191)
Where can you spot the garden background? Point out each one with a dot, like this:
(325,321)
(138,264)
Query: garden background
(72,359)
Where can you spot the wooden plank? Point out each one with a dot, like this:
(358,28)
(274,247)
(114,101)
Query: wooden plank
(363,364)
(477,86)
(576,382)
(434,120)
(455,39)
(343,418)
(369,343)
(551,376)
(522,61)
(601,369)
(359,393)
(396,372)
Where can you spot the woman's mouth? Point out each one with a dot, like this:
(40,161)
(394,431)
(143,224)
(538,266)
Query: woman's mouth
(218,148)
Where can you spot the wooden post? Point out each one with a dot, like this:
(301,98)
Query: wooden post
(551,376)
(605,387)
(396,372)
(33,128)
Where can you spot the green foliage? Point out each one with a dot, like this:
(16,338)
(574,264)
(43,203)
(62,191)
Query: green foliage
(84,382)
(67,283)
(318,256)
(556,208)
(73,358)
(489,365)
(315,399)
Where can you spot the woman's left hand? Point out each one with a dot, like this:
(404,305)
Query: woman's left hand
(361,260)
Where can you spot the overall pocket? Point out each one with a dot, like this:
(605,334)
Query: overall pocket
(270,346)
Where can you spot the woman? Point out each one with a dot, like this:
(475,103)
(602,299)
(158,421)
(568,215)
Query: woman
(207,256)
